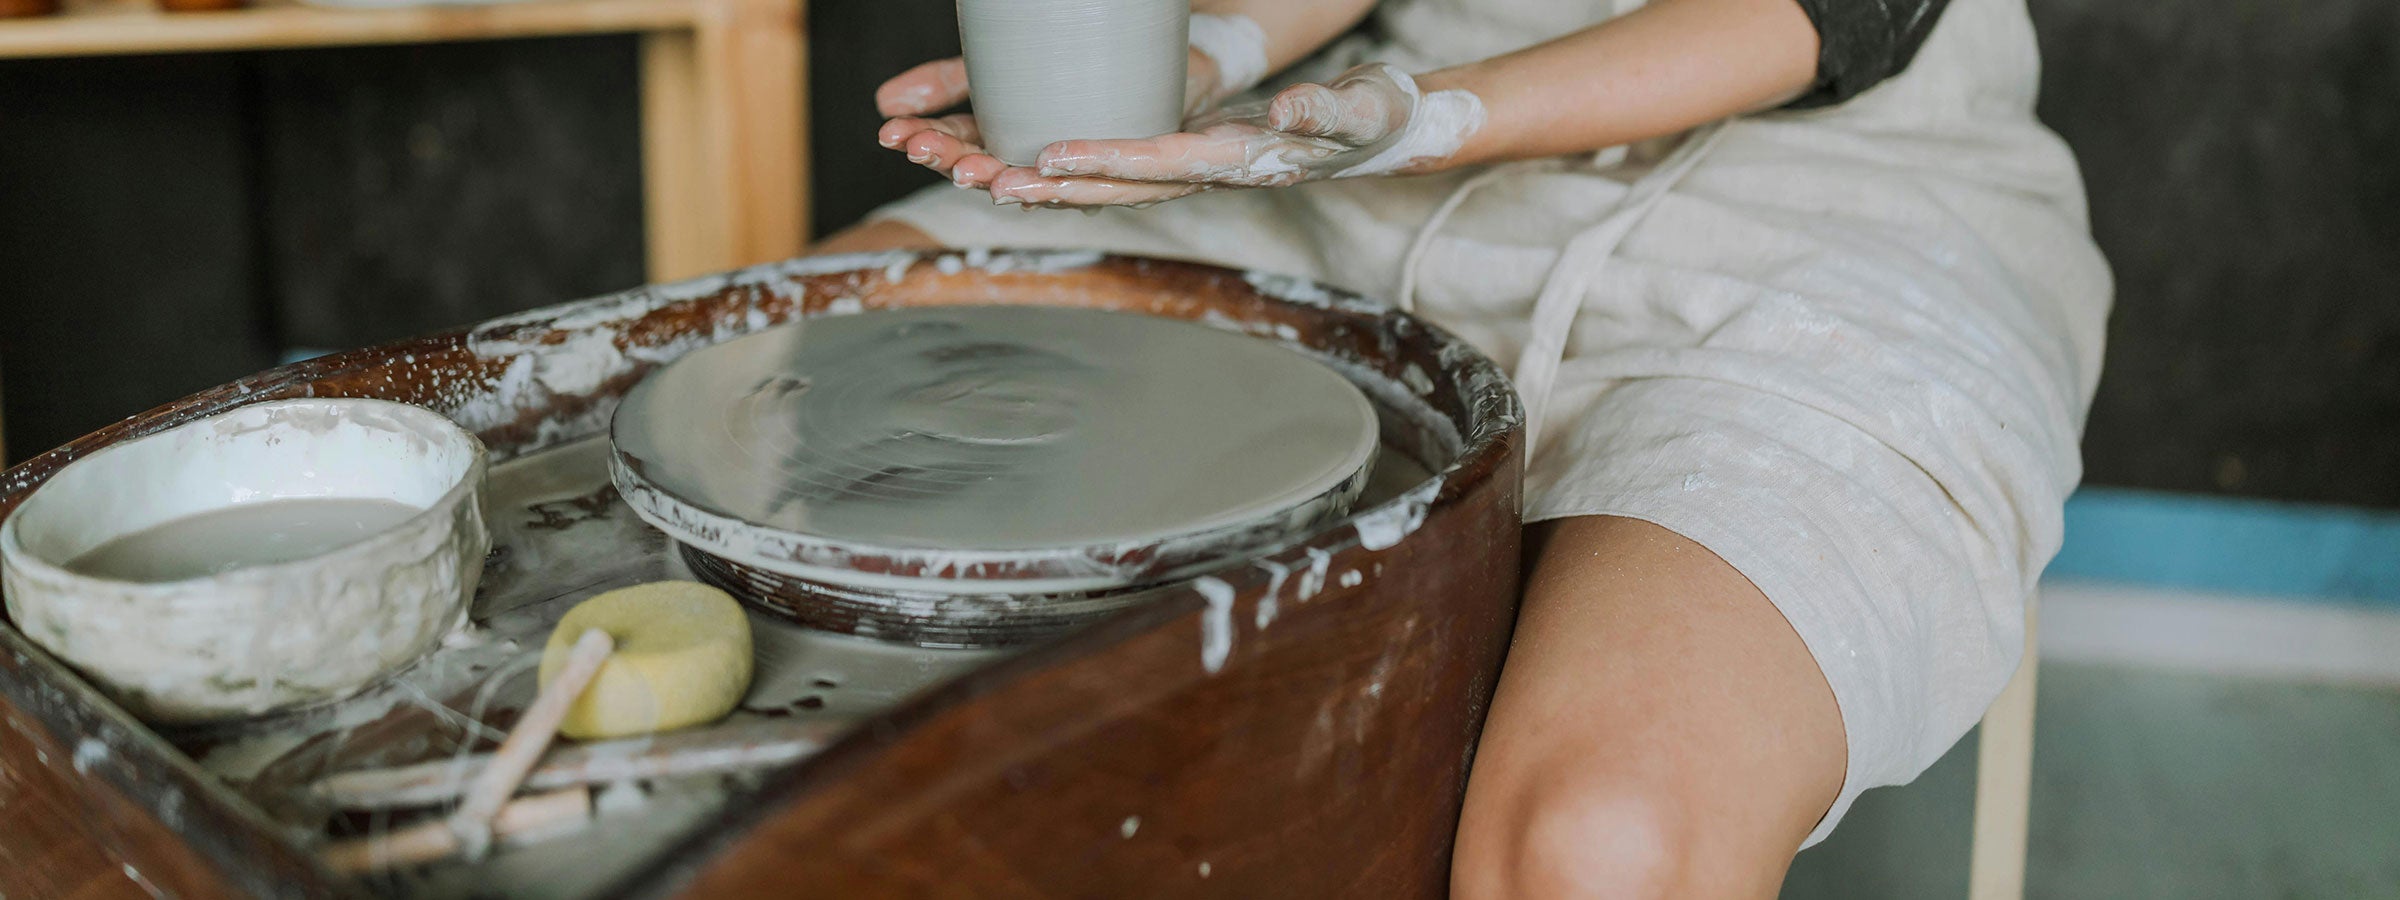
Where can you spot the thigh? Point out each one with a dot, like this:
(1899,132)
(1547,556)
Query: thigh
(1659,730)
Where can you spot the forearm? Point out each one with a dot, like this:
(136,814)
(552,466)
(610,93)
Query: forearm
(1293,28)
(1659,70)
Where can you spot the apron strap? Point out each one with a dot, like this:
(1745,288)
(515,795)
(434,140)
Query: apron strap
(1579,265)
(1407,298)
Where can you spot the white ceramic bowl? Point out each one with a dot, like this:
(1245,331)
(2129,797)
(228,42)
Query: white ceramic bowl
(265,636)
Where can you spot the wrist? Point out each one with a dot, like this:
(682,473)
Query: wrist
(1477,145)
(1442,121)
(1234,46)
(1201,84)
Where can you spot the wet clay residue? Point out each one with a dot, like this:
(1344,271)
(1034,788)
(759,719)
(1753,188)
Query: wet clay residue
(992,428)
(559,515)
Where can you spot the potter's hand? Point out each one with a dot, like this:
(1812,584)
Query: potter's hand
(941,144)
(1372,120)
(953,145)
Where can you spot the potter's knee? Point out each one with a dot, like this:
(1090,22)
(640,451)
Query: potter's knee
(1612,840)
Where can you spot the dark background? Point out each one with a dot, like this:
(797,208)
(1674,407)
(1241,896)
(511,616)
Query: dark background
(168,223)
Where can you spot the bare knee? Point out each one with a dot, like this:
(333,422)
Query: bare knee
(1659,730)
(1611,838)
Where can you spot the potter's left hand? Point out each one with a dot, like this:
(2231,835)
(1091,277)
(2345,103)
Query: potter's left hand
(1372,120)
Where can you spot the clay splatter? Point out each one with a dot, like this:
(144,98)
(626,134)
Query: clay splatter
(1216,625)
(1269,605)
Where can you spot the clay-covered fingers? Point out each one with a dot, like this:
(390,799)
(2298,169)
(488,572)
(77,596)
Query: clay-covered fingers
(926,89)
(1352,110)
(1029,187)
(977,171)
(1230,153)
(951,145)
(898,134)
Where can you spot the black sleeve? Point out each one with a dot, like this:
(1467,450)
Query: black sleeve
(1862,42)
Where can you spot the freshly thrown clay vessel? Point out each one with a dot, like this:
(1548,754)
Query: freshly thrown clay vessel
(1053,70)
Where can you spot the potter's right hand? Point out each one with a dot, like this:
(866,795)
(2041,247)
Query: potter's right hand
(953,145)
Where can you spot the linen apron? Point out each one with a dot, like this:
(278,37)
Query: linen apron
(1847,349)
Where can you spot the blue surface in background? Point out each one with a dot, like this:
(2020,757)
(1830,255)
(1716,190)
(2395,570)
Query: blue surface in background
(2219,545)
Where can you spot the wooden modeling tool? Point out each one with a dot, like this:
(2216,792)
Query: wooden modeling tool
(525,817)
(726,748)
(470,829)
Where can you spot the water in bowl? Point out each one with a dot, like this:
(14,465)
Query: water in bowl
(246,534)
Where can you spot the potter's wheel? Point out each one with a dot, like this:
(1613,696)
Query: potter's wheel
(973,475)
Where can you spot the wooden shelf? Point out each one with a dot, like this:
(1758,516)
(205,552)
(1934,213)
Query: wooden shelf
(724,92)
(121,27)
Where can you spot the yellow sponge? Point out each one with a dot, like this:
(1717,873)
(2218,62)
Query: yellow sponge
(682,658)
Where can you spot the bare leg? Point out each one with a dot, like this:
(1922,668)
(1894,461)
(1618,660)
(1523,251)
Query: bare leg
(1659,731)
(874,234)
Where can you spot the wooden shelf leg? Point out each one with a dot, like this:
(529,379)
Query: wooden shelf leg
(724,138)
(766,96)
(2004,781)
(682,205)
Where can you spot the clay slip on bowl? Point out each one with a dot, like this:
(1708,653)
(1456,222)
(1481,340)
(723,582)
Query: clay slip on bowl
(272,635)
